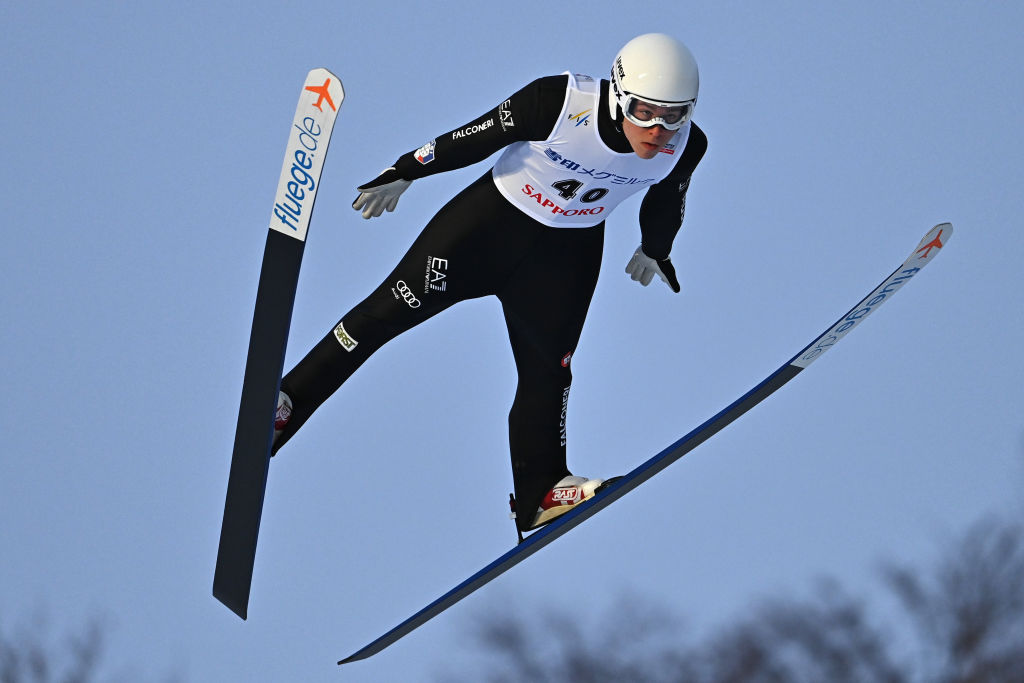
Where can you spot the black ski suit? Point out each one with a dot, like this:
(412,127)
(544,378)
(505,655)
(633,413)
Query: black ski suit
(480,244)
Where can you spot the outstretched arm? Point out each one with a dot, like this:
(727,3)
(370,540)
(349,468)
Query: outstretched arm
(529,114)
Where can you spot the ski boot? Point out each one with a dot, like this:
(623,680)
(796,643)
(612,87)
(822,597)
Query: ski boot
(281,415)
(566,494)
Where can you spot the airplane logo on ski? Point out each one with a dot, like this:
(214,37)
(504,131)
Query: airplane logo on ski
(324,95)
(934,244)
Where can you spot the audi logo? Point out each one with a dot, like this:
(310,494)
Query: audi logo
(407,294)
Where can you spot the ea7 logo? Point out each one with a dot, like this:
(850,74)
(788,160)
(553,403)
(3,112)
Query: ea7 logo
(437,274)
(505,115)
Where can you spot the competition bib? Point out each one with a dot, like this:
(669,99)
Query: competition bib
(572,179)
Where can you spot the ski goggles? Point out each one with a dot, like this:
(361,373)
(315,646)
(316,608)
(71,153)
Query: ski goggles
(646,114)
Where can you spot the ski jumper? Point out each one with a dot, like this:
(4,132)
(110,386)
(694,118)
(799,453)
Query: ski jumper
(530,232)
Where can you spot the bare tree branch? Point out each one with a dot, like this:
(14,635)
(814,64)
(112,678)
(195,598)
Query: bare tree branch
(966,616)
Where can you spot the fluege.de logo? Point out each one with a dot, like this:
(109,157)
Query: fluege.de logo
(289,210)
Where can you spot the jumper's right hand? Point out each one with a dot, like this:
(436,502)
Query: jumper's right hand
(380,193)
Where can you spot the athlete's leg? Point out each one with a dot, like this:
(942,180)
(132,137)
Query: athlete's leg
(447,263)
(545,304)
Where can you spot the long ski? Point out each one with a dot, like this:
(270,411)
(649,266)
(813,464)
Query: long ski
(321,96)
(926,250)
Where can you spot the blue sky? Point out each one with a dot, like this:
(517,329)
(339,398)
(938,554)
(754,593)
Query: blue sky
(143,144)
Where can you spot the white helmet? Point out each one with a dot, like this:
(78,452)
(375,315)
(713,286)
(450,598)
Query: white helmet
(659,70)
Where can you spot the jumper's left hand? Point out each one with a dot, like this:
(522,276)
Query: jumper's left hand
(642,268)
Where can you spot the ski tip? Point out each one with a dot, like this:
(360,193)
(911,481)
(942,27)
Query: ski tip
(933,241)
(327,82)
(946,229)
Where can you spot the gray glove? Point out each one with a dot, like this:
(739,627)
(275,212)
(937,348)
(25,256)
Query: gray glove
(380,193)
(642,268)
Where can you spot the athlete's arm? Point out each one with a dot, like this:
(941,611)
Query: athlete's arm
(529,114)
(663,206)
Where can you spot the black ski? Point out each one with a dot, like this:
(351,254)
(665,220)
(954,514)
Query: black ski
(932,243)
(317,110)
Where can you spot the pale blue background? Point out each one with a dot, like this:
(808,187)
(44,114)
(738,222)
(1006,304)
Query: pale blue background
(142,144)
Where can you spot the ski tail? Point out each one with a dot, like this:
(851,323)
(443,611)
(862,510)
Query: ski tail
(926,250)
